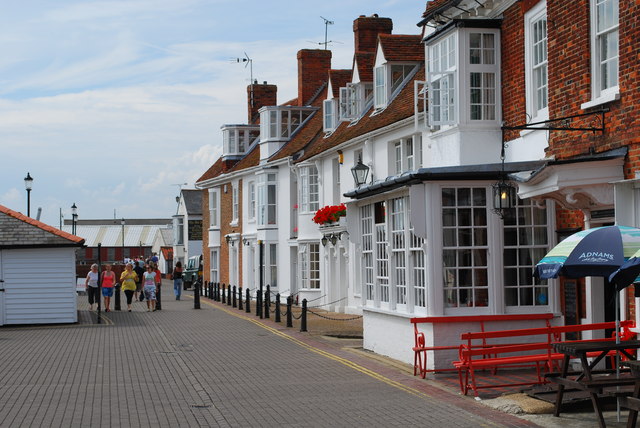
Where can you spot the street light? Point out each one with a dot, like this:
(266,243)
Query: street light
(74,218)
(28,183)
(122,222)
(360,172)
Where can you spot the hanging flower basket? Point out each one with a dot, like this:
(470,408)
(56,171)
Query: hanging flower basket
(330,214)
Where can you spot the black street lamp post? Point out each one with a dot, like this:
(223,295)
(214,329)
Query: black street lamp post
(28,183)
(74,218)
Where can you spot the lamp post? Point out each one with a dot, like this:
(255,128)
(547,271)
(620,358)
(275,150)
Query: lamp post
(122,222)
(360,172)
(28,183)
(74,218)
(118,285)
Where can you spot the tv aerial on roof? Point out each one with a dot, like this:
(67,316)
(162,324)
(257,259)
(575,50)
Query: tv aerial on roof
(248,62)
(326,42)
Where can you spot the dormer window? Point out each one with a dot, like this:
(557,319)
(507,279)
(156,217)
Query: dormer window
(280,123)
(463,76)
(353,100)
(329,118)
(387,79)
(238,138)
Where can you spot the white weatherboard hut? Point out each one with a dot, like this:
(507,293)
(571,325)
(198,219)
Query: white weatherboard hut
(37,271)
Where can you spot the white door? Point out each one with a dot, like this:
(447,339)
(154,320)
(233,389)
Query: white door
(1,291)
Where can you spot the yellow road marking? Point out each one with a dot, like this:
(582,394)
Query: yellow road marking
(326,354)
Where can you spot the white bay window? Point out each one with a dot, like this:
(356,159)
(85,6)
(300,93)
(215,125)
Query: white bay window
(536,71)
(463,71)
(267,198)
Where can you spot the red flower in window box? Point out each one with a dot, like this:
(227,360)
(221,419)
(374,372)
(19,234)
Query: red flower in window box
(330,214)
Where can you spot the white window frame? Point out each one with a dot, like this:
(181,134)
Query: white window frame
(489,74)
(600,94)
(251,203)
(215,265)
(379,87)
(179,230)
(443,60)
(214,211)
(267,209)
(280,123)
(463,248)
(406,154)
(271,250)
(309,265)
(235,203)
(309,189)
(526,239)
(534,17)
(329,121)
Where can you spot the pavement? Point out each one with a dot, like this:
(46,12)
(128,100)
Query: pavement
(221,367)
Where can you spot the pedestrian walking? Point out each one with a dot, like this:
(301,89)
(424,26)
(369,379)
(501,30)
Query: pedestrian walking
(177,280)
(91,284)
(149,287)
(158,285)
(108,283)
(139,270)
(129,279)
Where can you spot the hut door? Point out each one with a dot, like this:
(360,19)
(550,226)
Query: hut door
(1,291)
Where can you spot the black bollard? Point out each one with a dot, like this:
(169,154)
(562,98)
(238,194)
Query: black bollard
(216,288)
(259,302)
(229,295)
(211,290)
(196,298)
(289,314)
(267,303)
(219,291)
(278,307)
(224,295)
(117,297)
(159,297)
(247,306)
(240,298)
(206,289)
(303,316)
(234,303)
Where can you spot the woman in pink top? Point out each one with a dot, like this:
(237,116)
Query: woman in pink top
(108,282)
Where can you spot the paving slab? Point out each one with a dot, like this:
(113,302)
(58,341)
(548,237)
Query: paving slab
(215,366)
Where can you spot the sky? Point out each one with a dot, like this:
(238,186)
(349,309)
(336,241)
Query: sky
(114,105)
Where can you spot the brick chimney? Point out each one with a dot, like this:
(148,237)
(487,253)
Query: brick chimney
(263,95)
(313,72)
(366,30)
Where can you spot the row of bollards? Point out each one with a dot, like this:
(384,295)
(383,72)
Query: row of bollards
(232,296)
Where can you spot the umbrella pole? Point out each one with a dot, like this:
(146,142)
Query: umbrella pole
(618,351)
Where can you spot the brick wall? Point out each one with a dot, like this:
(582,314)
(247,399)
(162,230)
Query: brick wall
(313,72)
(263,95)
(226,214)
(570,81)
(366,30)
(513,84)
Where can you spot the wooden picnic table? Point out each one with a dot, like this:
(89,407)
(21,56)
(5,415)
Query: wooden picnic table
(588,379)
(632,402)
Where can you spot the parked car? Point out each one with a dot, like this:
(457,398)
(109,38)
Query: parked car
(192,271)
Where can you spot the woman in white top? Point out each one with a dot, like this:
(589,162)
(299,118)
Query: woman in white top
(91,284)
(149,287)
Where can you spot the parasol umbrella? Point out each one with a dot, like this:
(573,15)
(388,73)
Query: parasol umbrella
(601,251)
(593,252)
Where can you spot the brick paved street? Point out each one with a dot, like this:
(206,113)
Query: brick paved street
(211,367)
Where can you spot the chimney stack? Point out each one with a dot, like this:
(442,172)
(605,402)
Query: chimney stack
(313,72)
(366,30)
(262,95)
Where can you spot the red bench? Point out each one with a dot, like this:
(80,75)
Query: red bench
(478,354)
(420,348)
